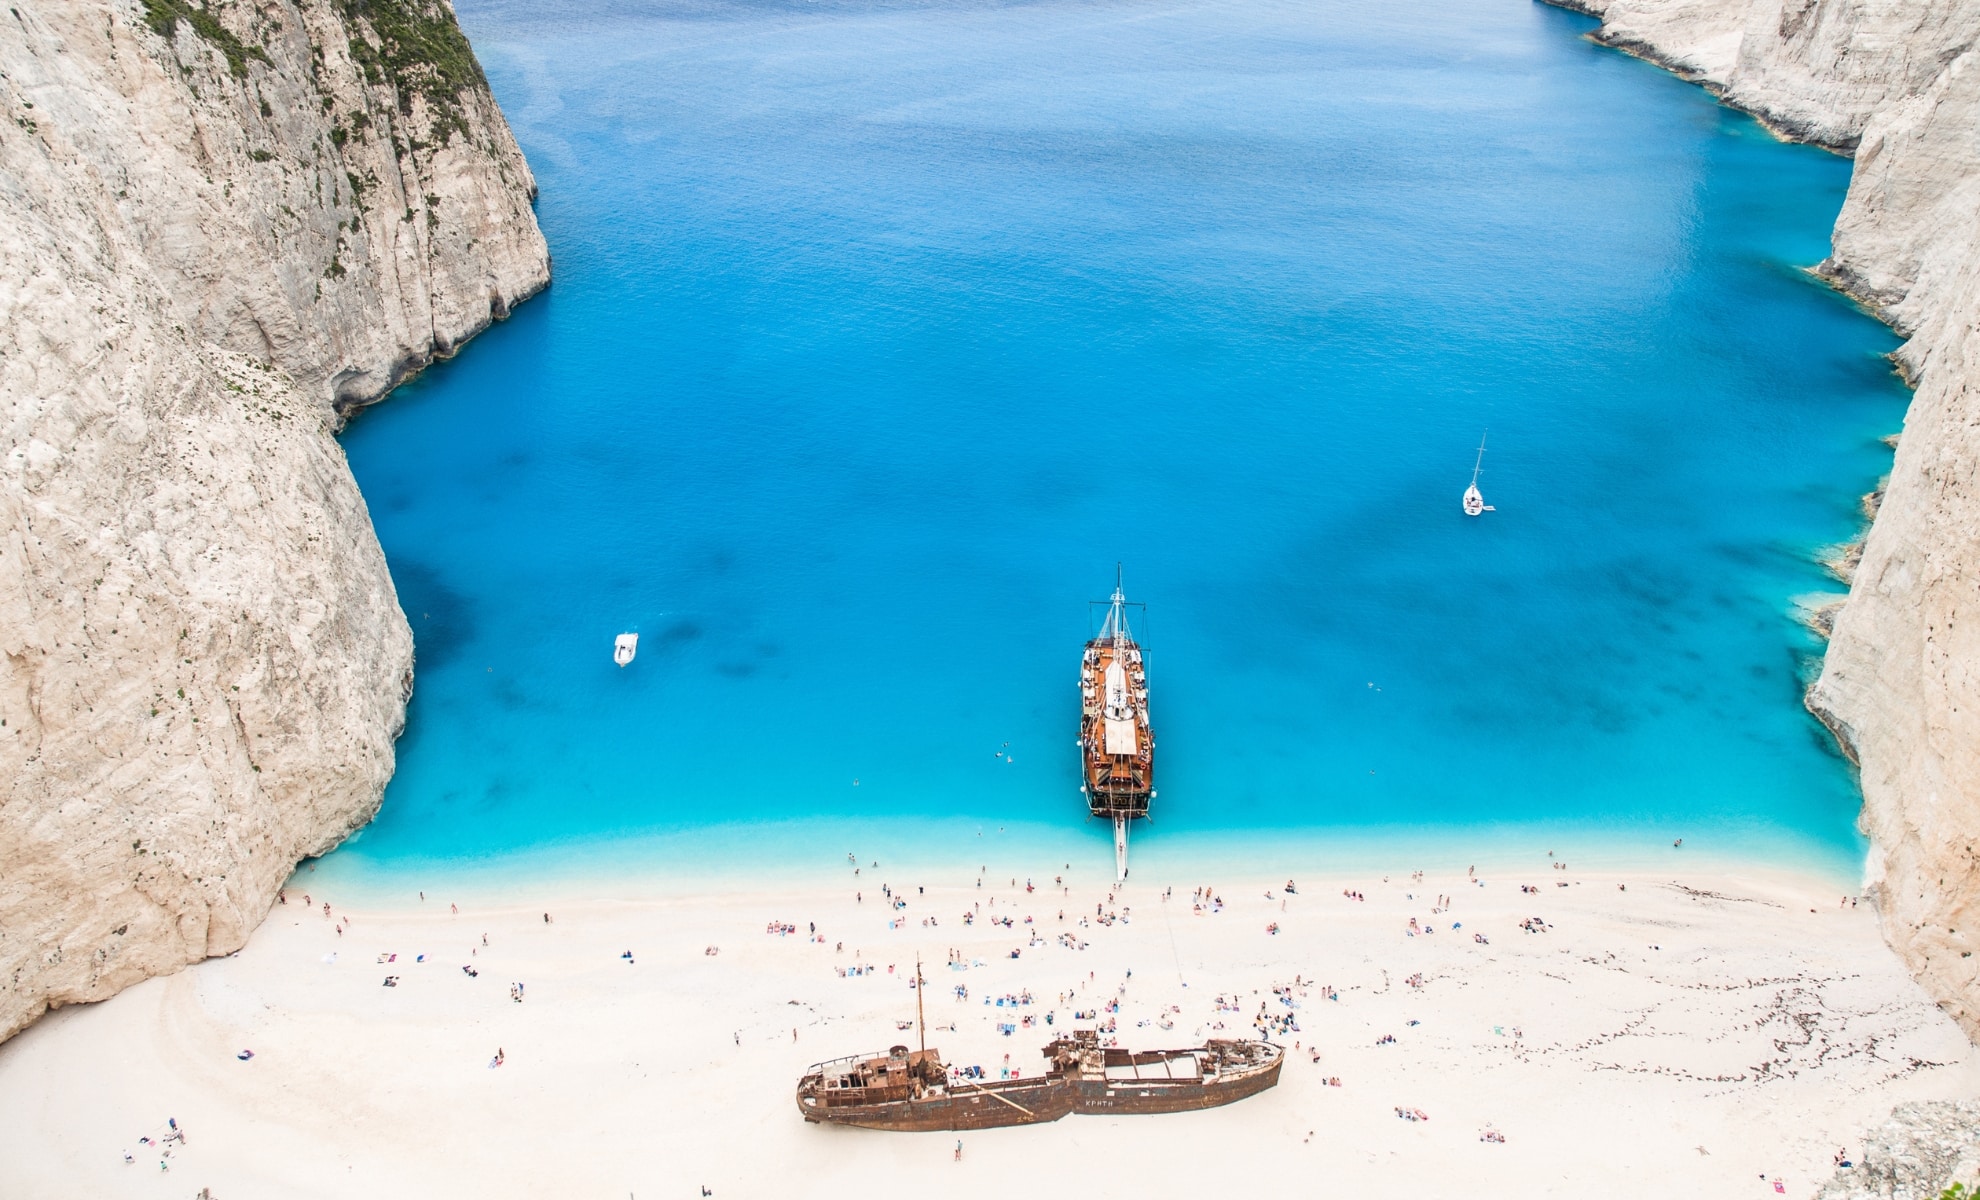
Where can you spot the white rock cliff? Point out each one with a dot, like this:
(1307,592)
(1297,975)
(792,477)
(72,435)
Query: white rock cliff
(223,225)
(1897,84)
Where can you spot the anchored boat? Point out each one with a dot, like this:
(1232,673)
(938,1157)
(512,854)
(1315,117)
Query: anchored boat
(1474,500)
(911,1090)
(624,647)
(1116,742)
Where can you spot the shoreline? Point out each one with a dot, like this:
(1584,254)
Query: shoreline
(1889,692)
(737,857)
(1649,1015)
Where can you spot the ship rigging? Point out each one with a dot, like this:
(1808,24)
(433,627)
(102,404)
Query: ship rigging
(1116,742)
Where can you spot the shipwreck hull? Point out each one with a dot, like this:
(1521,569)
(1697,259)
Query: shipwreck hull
(1140,1099)
(989,1107)
(912,1092)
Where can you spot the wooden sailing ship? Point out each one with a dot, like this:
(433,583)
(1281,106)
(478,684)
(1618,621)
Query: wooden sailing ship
(911,1090)
(1116,742)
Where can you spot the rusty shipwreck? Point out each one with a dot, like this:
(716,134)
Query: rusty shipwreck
(914,1091)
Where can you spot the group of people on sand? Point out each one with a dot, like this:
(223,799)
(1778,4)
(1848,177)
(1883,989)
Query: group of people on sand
(163,1144)
(1269,1020)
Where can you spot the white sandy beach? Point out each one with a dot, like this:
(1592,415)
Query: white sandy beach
(1669,1034)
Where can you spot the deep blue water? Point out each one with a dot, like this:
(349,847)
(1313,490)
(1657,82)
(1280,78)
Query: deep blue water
(881,331)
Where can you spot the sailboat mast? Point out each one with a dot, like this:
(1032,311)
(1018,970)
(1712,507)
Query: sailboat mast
(1481,459)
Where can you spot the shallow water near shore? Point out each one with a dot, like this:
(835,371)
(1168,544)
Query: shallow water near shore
(882,331)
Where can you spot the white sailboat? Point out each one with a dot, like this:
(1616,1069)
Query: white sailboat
(624,647)
(1474,501)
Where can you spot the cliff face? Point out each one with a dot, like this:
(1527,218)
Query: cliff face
(225,224)
(1896,82)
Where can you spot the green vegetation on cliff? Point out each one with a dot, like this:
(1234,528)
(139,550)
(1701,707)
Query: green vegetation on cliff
(417,47)
(164,16)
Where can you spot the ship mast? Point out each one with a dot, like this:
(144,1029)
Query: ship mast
(1481,459)
(1116,625)
(920,1021)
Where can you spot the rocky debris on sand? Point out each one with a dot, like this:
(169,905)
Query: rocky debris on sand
(1916,1154)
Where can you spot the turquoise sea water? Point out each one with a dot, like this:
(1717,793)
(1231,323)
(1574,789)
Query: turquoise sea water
(882,330)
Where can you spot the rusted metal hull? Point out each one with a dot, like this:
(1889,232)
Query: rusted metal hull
(990,1107)
(907,1092)
(1139,1099)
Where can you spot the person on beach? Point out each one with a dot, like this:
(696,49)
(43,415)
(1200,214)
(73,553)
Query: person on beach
(958,1149)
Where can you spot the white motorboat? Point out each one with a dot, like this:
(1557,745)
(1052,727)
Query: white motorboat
(624,647)
(1474,500)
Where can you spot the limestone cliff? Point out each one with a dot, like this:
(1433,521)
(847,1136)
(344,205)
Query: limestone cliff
(1918,1151)
(222,225)
(1897,83)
